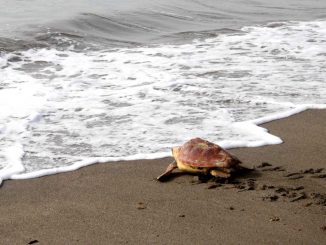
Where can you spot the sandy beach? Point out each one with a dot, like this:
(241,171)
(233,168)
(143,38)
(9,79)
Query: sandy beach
(283,201)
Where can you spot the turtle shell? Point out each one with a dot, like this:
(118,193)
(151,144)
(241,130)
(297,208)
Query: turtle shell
(202,153)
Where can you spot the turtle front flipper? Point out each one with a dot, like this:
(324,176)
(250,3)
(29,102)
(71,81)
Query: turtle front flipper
(168,171)
(220,173)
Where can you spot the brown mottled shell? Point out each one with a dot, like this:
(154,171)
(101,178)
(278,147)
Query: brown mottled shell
(202,153)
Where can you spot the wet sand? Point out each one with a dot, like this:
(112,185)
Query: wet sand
(283,201)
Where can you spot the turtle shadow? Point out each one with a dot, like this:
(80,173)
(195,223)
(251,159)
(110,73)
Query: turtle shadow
(172,176)
(246,173)
(243,175)
(240,174)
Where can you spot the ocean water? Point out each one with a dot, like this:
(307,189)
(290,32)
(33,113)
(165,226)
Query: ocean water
(95,81)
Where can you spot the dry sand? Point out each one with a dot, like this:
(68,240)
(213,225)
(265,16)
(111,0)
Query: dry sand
(120,203)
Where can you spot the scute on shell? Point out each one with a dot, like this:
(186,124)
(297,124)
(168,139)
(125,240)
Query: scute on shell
(202,153)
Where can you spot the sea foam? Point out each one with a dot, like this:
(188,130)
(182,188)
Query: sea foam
(64,109)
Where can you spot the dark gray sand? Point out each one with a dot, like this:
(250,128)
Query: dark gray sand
(283,201)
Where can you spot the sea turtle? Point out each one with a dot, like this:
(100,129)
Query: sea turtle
(201,156)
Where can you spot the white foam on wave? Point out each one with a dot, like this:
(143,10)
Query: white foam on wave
(62,110)
(249,127)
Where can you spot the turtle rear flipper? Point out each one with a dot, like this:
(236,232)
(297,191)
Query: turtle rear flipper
(168,171)
(220,173)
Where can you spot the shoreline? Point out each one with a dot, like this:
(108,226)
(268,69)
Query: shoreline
(258,122)
(116,203)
